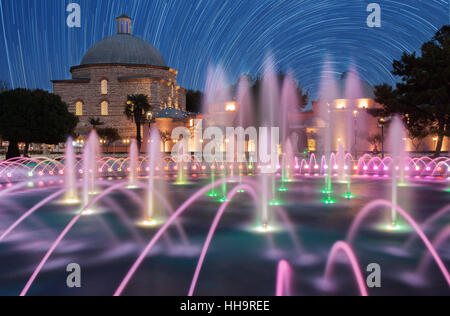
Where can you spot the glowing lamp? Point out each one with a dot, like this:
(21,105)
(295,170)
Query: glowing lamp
(230,107)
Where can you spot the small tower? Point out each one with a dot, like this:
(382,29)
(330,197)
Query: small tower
(123,24)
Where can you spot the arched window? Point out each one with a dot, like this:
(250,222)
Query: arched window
(79,108)
(105,108)
(104,86)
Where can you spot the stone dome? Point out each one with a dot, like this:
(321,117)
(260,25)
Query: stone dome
(123,49)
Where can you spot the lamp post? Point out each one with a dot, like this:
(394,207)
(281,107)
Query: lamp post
(382,123)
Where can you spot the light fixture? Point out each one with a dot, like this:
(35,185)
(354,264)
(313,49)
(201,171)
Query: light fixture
(230,107)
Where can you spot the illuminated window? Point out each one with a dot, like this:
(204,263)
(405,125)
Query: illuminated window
(363,104)
(79,108)
(105,108)
(230,107)
(104,86)
(312,145)
(341,104)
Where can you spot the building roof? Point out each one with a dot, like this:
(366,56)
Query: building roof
(172,113)
(123,49)
(123,16)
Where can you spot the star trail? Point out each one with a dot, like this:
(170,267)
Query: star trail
(36,45)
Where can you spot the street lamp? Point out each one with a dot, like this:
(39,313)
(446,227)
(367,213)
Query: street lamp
(382,121)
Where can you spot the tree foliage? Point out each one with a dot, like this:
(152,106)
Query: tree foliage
(96,122)
(136,110)
(109,135)
(34,116)
(194,101)
(422,97)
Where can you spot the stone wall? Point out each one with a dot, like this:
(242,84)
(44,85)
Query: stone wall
(158,83)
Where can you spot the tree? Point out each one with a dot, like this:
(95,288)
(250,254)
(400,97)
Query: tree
(422,97)
(33,116)
(109,136)
(136,111)
(95,122)
(165,137)
(194,101)
(375,140)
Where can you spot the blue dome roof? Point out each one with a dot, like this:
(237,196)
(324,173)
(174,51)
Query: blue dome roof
(123,49)
(172,113)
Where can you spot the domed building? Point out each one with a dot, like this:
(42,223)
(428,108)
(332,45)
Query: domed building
(112,69)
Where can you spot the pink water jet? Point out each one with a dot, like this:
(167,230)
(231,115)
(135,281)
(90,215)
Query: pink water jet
(213,229)
(342,247)
(284,279)
(375,207)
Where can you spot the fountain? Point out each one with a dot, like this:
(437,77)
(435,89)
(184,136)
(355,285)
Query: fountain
(90,157)
(70,174)
(396,144)
(154,157)
(133,165)
(294,245)
(328,93)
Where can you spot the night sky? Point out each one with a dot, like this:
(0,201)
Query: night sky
(36,45)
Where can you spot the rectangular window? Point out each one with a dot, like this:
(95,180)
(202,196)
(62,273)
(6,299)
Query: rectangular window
(79,108)
(104,108)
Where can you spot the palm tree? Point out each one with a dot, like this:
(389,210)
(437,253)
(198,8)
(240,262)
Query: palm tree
(95,122)
(136,111)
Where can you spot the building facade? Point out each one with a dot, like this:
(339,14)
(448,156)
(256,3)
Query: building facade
(112,69)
